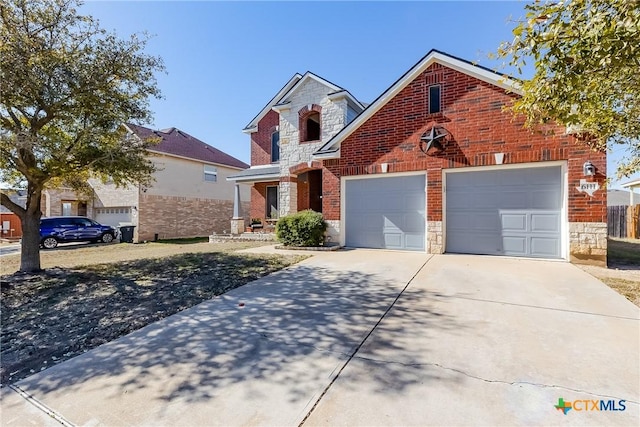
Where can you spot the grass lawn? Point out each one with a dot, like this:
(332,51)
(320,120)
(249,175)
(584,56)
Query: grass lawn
(65,311)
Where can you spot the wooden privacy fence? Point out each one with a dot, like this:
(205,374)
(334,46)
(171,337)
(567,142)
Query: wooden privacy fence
(623,221)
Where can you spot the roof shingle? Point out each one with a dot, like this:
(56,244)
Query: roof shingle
(179,143)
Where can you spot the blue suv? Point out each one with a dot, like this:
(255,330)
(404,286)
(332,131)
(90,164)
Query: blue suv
(61,229)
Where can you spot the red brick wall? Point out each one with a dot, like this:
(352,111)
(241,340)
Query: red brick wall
(472,114)
(331,189)
(259,198)
(14,224)
(261,140)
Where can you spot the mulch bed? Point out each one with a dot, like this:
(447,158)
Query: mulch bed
(60,313)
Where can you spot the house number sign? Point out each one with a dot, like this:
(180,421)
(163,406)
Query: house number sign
(588,187)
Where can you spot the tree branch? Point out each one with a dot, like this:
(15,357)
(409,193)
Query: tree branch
(12,206)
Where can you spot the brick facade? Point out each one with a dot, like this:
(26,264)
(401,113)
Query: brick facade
(261,140)
(472,114)
(172,217)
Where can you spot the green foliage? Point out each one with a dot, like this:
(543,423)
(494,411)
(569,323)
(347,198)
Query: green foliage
(304,228)
(68,87)
(586,55)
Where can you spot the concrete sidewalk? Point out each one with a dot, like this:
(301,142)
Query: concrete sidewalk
(219,363)
(338,340)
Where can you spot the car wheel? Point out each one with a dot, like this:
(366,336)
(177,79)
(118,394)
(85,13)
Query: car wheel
(107,238)
(49,243)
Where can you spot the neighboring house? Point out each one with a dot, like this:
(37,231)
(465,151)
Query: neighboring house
(189,197)
(10,222)
(621,198)
(434,164)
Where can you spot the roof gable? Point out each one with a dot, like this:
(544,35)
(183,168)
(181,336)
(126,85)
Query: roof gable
(335,90)
(253,124)
(331,148)
(178,143)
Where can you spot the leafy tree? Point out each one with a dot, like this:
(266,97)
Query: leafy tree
(66,88)
(586,55)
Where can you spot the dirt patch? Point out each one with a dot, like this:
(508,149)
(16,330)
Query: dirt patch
(623,271)
(64,311)
(73,255)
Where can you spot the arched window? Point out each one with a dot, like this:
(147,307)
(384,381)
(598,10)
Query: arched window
(313,127)
(310,123)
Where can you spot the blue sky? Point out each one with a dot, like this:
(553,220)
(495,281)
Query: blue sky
(226,60)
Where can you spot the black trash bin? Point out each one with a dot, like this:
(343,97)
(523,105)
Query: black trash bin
(126,233)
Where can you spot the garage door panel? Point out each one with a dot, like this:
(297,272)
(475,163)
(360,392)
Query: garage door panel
(385,212)
(545,246)
(514,245)
(519,215)
(545,223)
(393,240)
(476,242)
(514,221)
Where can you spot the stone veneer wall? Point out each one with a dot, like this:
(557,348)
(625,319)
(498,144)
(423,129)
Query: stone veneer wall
(174,217)
(434,237)
(333,231)
(588,242)
(292,152)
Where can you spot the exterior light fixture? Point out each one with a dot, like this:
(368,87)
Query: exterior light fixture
(588,169)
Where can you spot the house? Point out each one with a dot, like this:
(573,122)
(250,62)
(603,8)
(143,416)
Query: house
(10,222)
(621,198)
(189,197)
(303,116)
(434,164)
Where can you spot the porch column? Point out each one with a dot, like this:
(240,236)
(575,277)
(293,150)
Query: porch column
(237,208)
(237,222)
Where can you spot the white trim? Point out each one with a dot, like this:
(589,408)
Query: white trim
(162,153)
(253,124)
(326,156)
(564,210)
(343,187)
(309,75)
(256,178)
(431,58)
(336,96)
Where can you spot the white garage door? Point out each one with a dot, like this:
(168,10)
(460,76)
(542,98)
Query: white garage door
(113,216)
(515,212)
(385,212)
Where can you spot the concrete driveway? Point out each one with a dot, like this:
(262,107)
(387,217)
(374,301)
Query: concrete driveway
(364,337)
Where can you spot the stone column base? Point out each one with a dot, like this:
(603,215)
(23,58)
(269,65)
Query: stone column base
(237,225)
(588,243)
(434,237)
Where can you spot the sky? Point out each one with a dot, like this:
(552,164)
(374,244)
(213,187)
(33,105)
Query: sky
(225,60)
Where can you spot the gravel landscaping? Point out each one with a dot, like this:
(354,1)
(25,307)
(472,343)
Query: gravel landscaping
(91,295)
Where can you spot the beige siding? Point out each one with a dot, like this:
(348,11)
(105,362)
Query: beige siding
(109,195)
(185,178)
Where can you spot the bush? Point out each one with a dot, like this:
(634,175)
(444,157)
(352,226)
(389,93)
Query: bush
(304,228)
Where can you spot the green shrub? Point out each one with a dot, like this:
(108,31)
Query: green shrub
(304,228)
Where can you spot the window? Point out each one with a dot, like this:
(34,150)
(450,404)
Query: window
(272,202)
(275,147)
(312,122)
(434,99)
(210,173)
(66,208)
